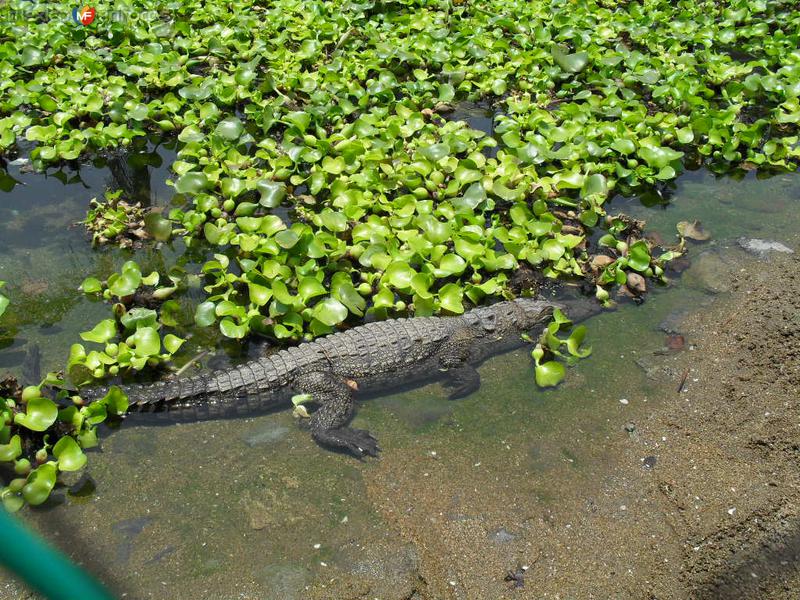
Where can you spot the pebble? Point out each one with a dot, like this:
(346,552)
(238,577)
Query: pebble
(501,536)
(623,400)
(649,462)
(762,248)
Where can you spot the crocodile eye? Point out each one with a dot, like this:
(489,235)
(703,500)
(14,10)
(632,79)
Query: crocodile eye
(489,323)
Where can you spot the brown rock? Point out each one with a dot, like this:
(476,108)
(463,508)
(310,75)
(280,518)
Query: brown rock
(636,283)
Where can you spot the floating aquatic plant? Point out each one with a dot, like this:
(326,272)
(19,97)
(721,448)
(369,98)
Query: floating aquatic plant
(45,432)
(3,300)
(549,372)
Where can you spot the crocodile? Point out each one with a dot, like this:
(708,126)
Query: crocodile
(369,359)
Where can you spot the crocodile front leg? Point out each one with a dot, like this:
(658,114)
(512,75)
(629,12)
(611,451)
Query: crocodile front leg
(337,405)
(454,357)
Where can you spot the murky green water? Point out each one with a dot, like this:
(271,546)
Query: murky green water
(252,508)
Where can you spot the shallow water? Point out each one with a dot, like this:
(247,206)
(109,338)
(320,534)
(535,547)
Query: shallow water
(252,508)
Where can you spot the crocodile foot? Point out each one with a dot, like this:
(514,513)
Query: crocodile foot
(359,442)
(462,381)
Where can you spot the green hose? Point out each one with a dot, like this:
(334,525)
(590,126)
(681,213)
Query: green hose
(43,568)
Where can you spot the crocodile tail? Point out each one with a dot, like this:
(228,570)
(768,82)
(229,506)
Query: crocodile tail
(153,396)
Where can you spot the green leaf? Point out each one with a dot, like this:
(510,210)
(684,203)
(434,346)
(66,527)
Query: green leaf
(309,288)
(594,185)
(452,264)
(41,482)
(137,317)
(4,302)
(435,152)
(192,182)
(259,294)
(115,400)
(40,414)
(451,298)
(205,314)
(330,311)
(229,129)
(287,238)
(624,146)
(639,256)
(549,374)
(90,285)
(272,193)
(31,56)
(657,156)
(159,228)
(69,455)
(101,333)
(172,343)
(231,329)
(572,63)
(332,165)
(124,284)
(11,450)
(146,341)
(398,275)
(575,340)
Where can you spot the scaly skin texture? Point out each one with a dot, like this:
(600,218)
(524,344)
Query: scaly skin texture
(370,359)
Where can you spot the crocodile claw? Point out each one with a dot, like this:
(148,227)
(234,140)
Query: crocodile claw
(361,442)
(358,442)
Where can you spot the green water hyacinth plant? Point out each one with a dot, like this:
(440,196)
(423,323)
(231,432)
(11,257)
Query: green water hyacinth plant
(317,139)
(549,372)
(44,434)
(4,301)
(135,337)
(323,171)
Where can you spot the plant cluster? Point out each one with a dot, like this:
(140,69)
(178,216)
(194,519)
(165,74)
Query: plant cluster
(117,221)
(331,109)
(43,433)
(134,338)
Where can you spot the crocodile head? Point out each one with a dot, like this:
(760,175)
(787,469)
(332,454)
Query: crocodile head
(529,315)
(507,320)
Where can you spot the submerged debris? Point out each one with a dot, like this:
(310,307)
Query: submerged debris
(127,225)
(516,578)
(693,231)
(676,342)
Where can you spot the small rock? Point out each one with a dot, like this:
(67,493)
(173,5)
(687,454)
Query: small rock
(673,322)
(676,342)
(630,427)
(636,283)
(502,536)
(709,273)
(600,260)
(762,248)
(649,462)
(623,401)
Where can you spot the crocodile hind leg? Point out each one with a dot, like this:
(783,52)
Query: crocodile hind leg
(329,421)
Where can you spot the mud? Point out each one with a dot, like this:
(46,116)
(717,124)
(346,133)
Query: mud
(698,496)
